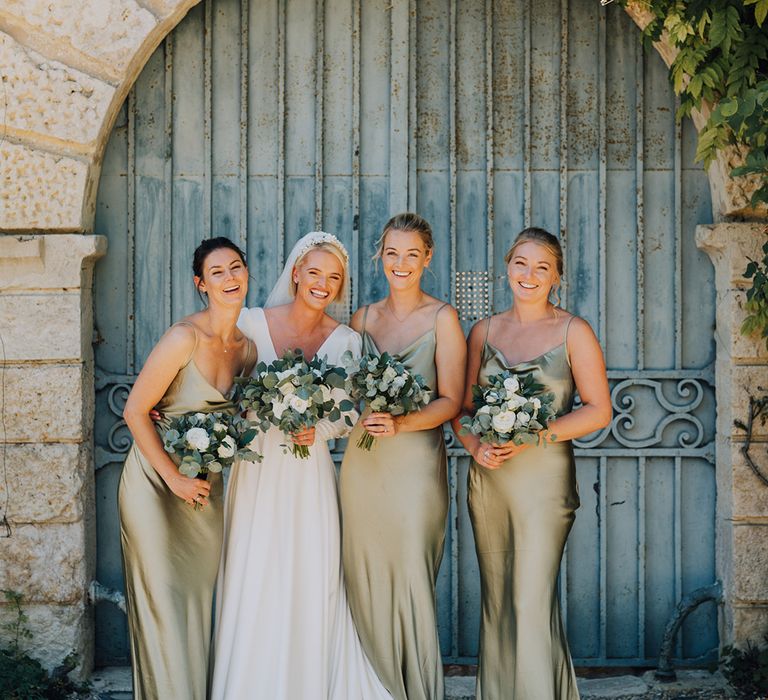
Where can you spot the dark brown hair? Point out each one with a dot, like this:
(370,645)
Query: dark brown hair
(206,247)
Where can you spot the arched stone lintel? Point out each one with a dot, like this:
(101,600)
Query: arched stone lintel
(730,196)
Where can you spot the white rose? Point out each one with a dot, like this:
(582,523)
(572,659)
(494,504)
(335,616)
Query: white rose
(512,385)
(389,374)
(219,428)
(492,397)
(197,438)
(484,409)
(515,401)
(522,420)
(285,374)
(536,402)
(278,407)
(200,416)
(227,447)
(503,422)
(398,382)
(297,403)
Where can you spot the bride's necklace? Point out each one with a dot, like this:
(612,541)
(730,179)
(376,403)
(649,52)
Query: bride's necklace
(408,315)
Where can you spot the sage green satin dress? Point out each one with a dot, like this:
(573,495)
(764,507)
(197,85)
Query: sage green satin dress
(521,515)
(171,557)
(394,504)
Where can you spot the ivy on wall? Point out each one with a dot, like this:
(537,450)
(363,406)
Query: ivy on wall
(722,65)
(722,61)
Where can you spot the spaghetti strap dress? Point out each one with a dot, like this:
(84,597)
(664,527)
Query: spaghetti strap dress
(171,556)
(521,515)
(394,502)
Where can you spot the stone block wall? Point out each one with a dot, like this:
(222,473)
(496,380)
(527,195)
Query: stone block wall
(46,380)
(742,499)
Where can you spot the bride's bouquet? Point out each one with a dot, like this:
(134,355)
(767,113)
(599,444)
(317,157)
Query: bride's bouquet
(294,393)
(510,408)
(208,442)
(386,385)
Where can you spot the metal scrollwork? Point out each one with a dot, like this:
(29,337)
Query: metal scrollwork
(654,412)
(646,415)
(118,437)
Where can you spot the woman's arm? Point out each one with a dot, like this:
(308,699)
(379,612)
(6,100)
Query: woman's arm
(162,365)
(472,443)
(588,367)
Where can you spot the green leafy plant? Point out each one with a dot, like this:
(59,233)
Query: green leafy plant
(747,669)
(24,678)
(757,297)
(722,62)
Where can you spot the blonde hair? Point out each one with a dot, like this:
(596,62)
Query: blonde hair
(551,244)
(540,237)
(336,251)
(406,221)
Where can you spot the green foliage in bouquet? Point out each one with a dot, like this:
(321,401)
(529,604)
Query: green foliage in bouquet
(208,442)
(293,393)
(510,408)
(384,384)
(25,678)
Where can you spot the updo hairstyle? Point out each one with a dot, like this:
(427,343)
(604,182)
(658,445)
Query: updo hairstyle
(407,221)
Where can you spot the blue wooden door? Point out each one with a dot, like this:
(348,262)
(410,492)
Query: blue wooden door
(264,119)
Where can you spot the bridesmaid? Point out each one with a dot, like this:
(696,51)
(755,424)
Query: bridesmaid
(522,498)
(171,550)
(394,499)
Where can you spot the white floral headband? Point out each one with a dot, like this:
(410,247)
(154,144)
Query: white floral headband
(320,238)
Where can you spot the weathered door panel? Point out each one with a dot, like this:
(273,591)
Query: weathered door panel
(262,120)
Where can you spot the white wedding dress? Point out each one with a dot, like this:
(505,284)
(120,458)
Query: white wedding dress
(283,626)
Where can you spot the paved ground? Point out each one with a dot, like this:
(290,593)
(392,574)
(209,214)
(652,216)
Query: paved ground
(115,684)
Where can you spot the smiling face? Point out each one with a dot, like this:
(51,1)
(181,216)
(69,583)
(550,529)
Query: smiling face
(224,278)
(532,272)
(319,278)
(404,257)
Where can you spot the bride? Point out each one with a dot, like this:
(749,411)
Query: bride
(283,626)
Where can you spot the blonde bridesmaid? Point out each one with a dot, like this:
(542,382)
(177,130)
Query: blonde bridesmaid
(170,548)
(394,499)
(522,499)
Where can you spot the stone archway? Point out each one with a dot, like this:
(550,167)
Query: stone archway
(65,76)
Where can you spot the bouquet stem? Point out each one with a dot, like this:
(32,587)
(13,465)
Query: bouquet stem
(300,451)
(366,441)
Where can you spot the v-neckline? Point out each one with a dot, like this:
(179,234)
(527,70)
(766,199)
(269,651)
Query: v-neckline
(523,362)
(272,342)
(202,376)
(400,352)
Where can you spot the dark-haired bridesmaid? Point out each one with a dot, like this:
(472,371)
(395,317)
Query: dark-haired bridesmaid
(394,499)
(522,498)
(171,549)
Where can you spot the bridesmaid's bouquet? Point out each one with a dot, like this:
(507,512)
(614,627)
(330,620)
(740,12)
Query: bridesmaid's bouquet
(384,384)
(208,442)
(511,408)
(294,393)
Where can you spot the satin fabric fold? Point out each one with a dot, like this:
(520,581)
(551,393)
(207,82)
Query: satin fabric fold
(394,502)
(170,557)
(521,515)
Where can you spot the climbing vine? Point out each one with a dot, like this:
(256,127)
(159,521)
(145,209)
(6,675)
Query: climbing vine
(722,64)
(722,61)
